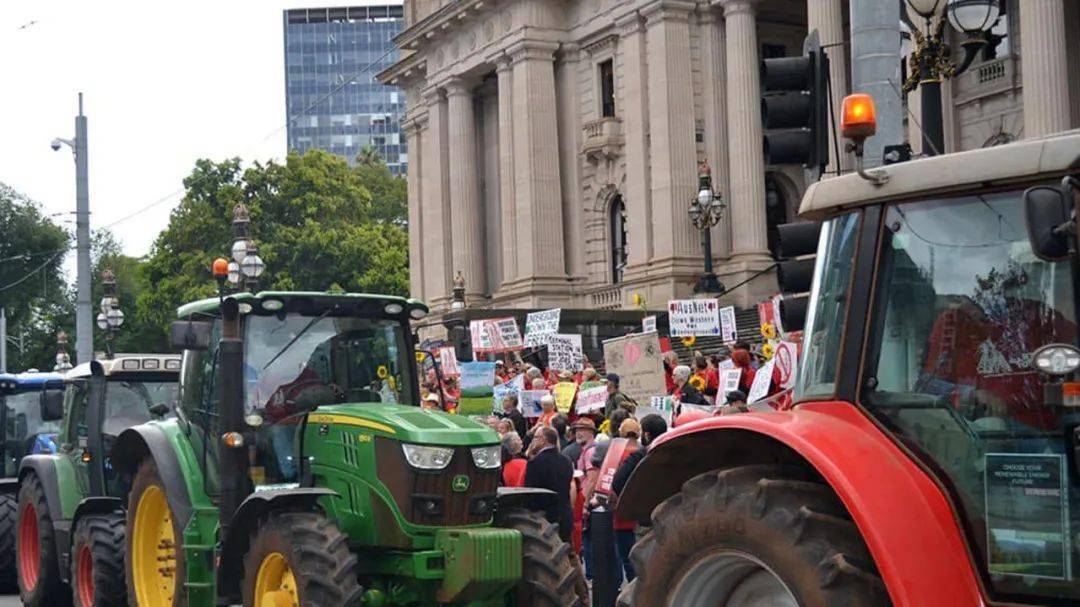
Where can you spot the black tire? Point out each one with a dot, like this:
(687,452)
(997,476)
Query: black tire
(48,590)
(549,575)
(317,554)
(145,478)
(781,516)
(99,539)
(9,508)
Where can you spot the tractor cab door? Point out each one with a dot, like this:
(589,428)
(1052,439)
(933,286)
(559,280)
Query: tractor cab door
(74,435)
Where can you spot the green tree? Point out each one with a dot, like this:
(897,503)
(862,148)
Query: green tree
(135,335)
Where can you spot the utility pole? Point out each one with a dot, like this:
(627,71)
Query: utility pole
(84,315)
(875,69)
(3,340)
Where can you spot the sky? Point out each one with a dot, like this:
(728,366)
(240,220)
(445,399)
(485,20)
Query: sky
(164,84)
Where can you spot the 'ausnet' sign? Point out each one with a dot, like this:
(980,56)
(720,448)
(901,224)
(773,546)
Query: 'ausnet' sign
(692,317)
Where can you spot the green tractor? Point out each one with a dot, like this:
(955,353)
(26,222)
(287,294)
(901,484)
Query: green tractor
(299,471)
(70,510)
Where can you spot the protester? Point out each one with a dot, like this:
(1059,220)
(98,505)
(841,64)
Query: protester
(500,372)
(710,379)
(585,436)
(685,393)
(736,403)
(548,469)
(512,414)
(615,398)
(630,429)
(652,426)
(671,360)
(430,402)
(503,427)
(548,413)
(561,423)
(610,426)
(514,463)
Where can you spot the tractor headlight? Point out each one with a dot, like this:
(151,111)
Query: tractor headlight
(487,457)
(426,457)
(1057,359)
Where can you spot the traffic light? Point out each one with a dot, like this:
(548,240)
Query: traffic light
(795,108)
(795,274)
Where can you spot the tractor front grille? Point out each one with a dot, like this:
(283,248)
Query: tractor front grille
(427,497)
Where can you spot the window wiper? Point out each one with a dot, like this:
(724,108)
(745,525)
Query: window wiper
(292,341)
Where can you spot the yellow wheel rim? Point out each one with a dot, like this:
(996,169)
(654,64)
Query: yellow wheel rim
(153,550)
(275,585)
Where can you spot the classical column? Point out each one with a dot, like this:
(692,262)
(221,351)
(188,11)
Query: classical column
(414,137)
(825,16)
(504,73)
(436,201)
(714,102)
(635,117)
(537,185)
(1045,67)
(672,146)
(569,112)
(466,215)
(747,164)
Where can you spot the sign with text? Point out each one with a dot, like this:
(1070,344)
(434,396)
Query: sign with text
(691,317)
(529,402)
(477,379)
(564,352)
(787,362)
(540,326)
(658,405)
(1027,515)
(762,382)
(591,400)
(501,391)
(729,330)
(495,335)
(648,324)
(448,362)
(729,382)
(564,392)
(637,360)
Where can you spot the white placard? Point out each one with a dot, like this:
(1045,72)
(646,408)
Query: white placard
(495,335)
(591,400)
(564,352)
(540,326)
(729,331)
(787,361)
(762,381)
(448,362)
(692,317)
(648,324)
(729,382)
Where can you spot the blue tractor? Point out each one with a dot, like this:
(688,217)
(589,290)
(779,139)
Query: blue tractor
(29,403)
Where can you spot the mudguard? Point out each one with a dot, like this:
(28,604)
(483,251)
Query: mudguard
(517,497)
(145,440)
(9,486)
(44,468)
(246,520)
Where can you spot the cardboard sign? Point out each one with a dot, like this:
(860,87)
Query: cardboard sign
(729,330)
(529,402)
(612,460)
(729,382)
(477,379)
(1027,515)
(648,324)
(564,392)
(787,362)
(564,352)
(448,362)
(638,362)
(690,317)
(658,405)
(591,400)
(762,381)
(495,335)
(540,326)
(501,391)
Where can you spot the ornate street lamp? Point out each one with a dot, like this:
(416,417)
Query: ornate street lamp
(246,266)
(110,318)
(458,300)
(929,62)
(705,211)
(63,360)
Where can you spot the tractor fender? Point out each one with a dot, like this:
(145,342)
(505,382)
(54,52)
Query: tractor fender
(246,521)
(96,505)
(43,467)
(903,515)
(9,486)
(147,440)
(517,497)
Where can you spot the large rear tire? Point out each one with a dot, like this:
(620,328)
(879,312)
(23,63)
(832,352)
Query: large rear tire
(38,566)
(97,561)
(753,535)
(154,560)
(549,575)
(300,558)
(9,508)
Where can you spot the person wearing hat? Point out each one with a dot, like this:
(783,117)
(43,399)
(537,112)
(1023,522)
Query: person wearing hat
(736,403)
(584,430)
(501,376)
(616,399)
(430,402)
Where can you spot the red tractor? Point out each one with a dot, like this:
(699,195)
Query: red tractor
(932,454)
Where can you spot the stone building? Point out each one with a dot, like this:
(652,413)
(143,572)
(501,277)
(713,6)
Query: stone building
(555,145)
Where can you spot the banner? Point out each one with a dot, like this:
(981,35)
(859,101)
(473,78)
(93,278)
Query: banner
(729,382)
(501,391)
(787,362)
(690,317)
(614,458)
(648,324)
(448,362)
(477,379)
(564,395)
(495,335)
(767,314)
(636,359)
(729,330)
(658,405)
(540,326)
(762,381)
(564,352)
(591,400)
(529,402)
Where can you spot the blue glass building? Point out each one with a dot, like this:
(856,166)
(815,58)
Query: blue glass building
(332,98)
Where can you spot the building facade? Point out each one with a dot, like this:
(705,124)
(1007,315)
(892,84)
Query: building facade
(556,144)
(333,99)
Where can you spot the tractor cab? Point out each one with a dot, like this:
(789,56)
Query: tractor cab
(25,417)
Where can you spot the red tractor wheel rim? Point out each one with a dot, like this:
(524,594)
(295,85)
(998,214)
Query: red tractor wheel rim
(84,575)
(29,548)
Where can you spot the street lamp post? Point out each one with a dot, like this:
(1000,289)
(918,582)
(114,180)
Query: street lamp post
(110,318)
(246,266)
(63,361)
(930,64)
(705,211)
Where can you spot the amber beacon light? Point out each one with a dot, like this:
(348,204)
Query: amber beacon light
(858,120)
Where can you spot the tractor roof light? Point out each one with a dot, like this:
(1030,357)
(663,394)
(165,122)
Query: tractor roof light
(418,313)
(220,268)
(393,309)
(859,118)
(1057,359)
(272,305)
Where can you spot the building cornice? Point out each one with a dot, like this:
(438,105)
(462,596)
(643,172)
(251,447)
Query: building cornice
(407,68)
(436,22)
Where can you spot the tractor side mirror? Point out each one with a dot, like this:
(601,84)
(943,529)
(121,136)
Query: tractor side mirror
(1048,218)
(190,334)
(52,405)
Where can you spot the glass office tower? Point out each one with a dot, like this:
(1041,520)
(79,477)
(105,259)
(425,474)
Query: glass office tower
(332,98)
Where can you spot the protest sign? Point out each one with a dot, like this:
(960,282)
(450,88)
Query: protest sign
(636,360)
(529,402)
(691,317)
(477,379)
(648,324)
(729,381)
(501,391)
(564,395)
(787,361)
(762,381)
(540,326)
(495,335)
(726,364)
(448,362)
(616,450)
(1033,541)
(729,331)
(564,352)
(658,405)
(591,400)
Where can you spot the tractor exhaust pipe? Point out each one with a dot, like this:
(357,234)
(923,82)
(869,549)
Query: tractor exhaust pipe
(232,454)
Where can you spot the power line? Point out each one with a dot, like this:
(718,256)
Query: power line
(29,256)
(34,271)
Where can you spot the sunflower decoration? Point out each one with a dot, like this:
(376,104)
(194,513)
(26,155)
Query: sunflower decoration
(420,355)
(698,382)
(768,350)
(382,372)
(768,330)
(689,341)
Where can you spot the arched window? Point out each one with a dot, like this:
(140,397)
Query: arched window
(617,232)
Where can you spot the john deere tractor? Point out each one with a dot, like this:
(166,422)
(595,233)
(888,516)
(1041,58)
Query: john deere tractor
(299,471)
(70,511)
(25,431)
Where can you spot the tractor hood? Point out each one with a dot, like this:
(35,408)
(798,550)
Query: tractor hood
(407,424)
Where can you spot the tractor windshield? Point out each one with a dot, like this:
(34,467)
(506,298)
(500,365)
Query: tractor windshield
(961,305)
(296,363)
(22,427)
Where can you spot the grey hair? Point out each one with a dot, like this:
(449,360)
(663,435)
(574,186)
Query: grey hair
(547,398)
(533,372)
(512,443)
(538,383)
(681,373)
